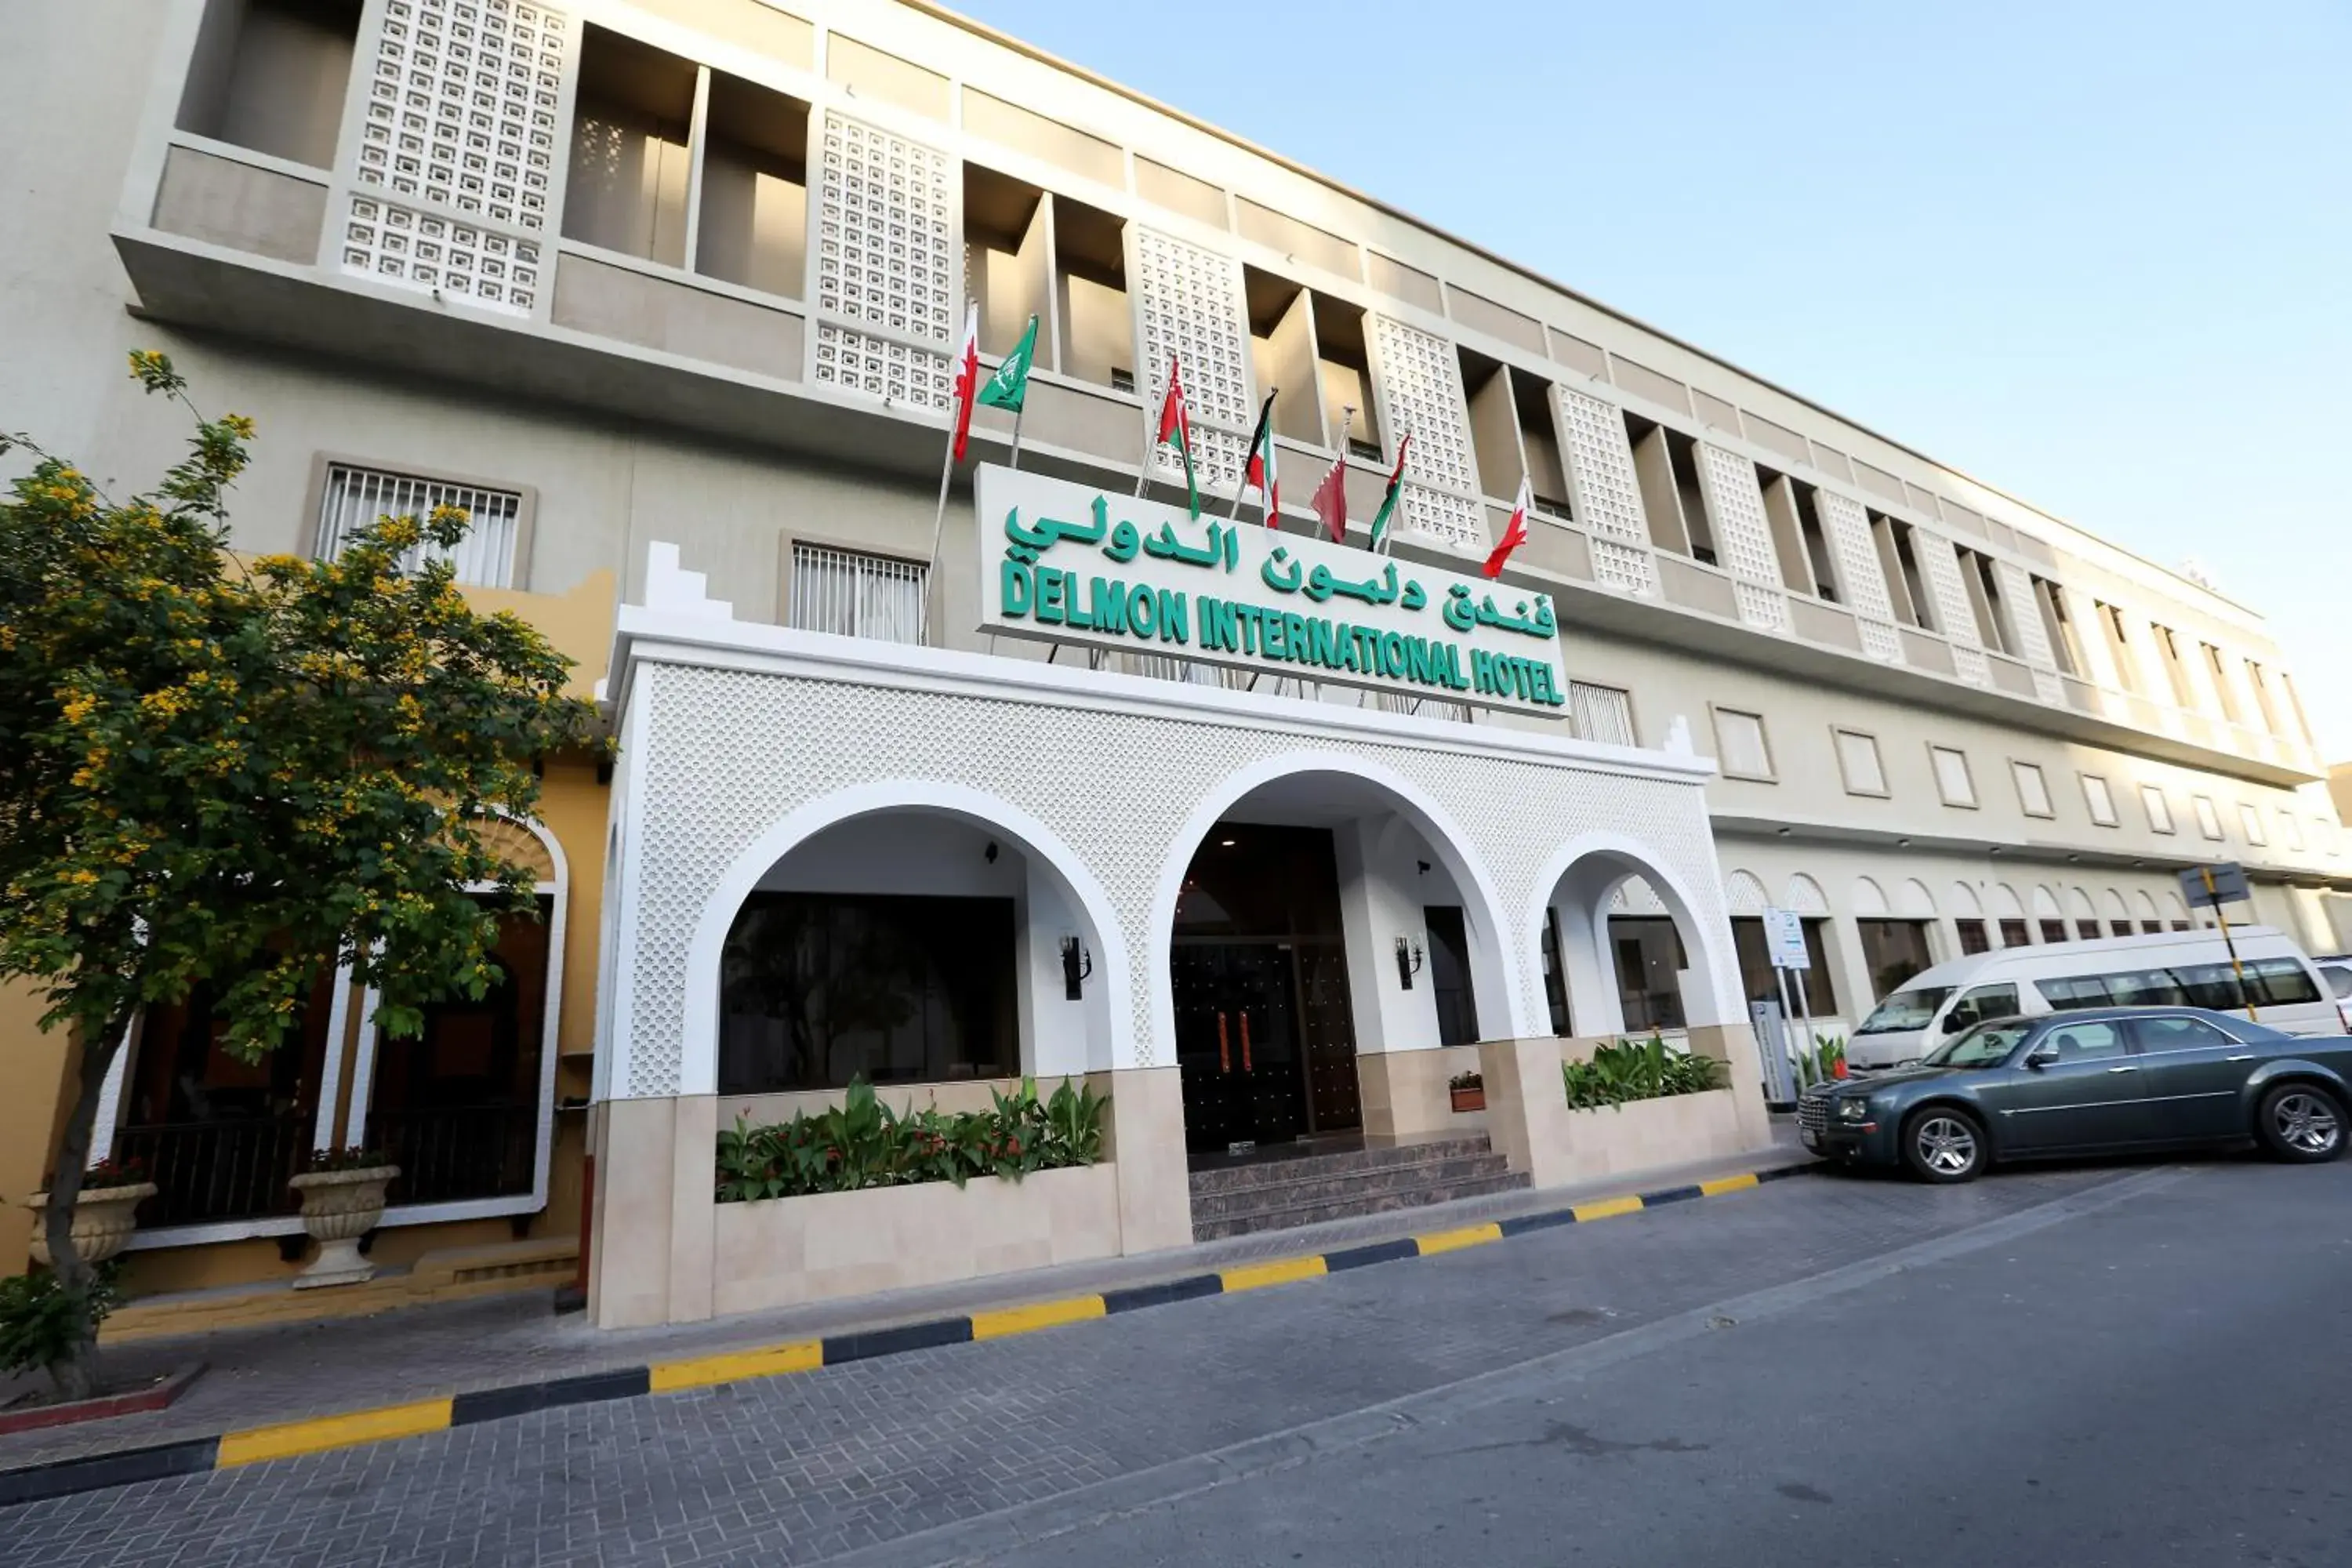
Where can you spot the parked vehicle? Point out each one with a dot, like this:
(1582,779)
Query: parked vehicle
(2097,1081)
(2173,969)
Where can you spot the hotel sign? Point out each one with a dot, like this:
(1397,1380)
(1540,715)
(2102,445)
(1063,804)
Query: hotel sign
(1068,562)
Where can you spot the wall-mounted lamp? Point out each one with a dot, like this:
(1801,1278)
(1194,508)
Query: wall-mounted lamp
(1077,965)
(1408,954)
(988,853)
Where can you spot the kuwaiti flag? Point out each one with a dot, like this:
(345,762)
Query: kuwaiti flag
(1387,514)
(1260,468)
(967,381)
(1176,427)
(1514,532)
(1330,499)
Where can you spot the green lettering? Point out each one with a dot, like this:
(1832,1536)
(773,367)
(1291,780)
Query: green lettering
(1050,586)
(1455,677)
(1175,625)
(1229,623)
(1296,647)
(1017,587)
(1481,670)
(1392,655)
(1323,637)
(1417,661)
(1108,601)
(1142,611)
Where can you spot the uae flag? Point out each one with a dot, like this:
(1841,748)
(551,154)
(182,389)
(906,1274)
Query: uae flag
(967,381)
(1260,468)
(1176,428)
(1514,532)
(1382,519)
(1330,500)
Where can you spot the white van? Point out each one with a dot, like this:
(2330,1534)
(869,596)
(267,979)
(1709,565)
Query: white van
(2172,969)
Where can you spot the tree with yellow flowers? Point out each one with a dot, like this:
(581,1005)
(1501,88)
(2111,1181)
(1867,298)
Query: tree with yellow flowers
(244,771)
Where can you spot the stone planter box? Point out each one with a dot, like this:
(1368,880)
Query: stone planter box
(103,1221)
(1648,1133)
(1467,1100)
(781,1252)
(338,1208)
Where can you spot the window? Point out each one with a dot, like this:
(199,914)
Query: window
(1983,587)
(2099,800)
(2223,692)
(1952,780)
(1974,938)
(485,557)
(1650,959)
(2083,1041)
(2262,690)
(2269,982)
(1975,1007)
(1893,951)
(2015,932)
(2063,646)
(1763,985)
(2294,707)
(1818,554)
(2052,929)
(2159,810)
(2175,672)
(1603,713)
(1739,744)
(854,594)
(2119,928)
(2209,820)
(1858,760)
(2157,1035)
(2291,827)
(2032,789)
(2251,819)
(1896,558)
(2111,623)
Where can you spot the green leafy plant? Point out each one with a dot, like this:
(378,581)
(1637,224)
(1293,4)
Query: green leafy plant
(1820,1063)
(245,771)
(1620,1072)
(356,1158)
(42,1320)
(862,1142)
(1465,1080)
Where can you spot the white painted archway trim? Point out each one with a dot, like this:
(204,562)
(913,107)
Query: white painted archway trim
(698,1056)
(1446,840)
(1712,940)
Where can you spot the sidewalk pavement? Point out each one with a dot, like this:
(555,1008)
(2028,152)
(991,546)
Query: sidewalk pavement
(280,1373)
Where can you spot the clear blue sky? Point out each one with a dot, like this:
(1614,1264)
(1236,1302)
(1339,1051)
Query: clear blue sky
(2097,256)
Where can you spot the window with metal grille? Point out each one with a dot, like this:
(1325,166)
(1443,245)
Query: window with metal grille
(854,594)
(356,497)
(1602,714)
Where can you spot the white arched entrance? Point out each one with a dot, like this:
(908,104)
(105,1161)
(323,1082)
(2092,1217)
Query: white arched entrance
(1576,888)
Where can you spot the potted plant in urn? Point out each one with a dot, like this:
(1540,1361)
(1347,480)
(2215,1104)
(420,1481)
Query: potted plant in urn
(1468,1090)
(343,1197)
(105,1210)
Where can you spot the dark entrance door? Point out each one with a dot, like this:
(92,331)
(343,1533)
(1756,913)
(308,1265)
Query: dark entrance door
(1264,1037)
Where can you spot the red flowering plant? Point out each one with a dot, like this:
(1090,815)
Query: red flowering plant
(107,1172)
(862,1142)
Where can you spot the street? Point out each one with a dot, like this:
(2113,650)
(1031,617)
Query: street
(2104,1364)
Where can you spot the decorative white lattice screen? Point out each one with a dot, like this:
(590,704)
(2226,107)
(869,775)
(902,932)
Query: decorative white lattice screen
(456,161)
(2032,637)
(1866,584)
(1603,491)
(1955,615)
(1421,386)
(1735,502)
(888,267)
(1191,303)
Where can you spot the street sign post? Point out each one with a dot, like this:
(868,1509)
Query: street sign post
(2210,886)
(1784,942)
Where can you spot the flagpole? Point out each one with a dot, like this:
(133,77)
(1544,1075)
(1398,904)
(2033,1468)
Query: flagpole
(939,526)
(1240,486)
(1015,460)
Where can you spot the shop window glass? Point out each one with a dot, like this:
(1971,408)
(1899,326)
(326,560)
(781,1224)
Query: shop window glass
(1649,953)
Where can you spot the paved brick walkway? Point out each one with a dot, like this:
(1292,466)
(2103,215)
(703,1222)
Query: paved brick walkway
(797,1469)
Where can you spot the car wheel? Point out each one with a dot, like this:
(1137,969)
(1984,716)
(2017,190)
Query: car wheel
(1941,1144)
(2301,1122)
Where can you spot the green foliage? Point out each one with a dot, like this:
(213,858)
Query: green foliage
(42,1320)
(862,1142)
(354,1158)
(244,771)
(1465,1080)
(1629,1070)
(1820,1064)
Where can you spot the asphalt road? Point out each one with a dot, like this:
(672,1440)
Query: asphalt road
(2080,1366)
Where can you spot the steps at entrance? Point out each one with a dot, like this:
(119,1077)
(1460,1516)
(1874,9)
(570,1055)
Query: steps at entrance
(1279,1194)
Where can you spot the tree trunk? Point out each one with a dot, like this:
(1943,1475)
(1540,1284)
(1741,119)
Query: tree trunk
(76,1377)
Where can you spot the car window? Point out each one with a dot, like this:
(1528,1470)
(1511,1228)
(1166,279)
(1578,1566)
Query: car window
(1905,1011)
(2178,1035)
(2279,982)
(2338,977)
(2078,991)
(2083,1042)
(1975,1007)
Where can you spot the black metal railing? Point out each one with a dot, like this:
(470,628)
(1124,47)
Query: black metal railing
(205,1172)
(449,1153)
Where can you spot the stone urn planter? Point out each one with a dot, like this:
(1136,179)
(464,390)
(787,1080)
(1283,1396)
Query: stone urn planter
(103,1220)
(338,1208)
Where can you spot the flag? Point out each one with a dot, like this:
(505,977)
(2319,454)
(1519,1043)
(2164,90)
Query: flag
(1259,472)
(1514,532)
(1010,384)
(1387,514)
(967,381)
(1330,500)
(1176,425)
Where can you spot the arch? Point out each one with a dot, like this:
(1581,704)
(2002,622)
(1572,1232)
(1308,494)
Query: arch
(1635,897)
(1914,902)
(2116,908)
(1965,905)
(2146,905)
(698,1038)
(1743,894)
(1804,896)
(2005,903)
(1579,879)
(1869,897)
(1497,997)
(2079,905)
(2178,910)
(2045,905)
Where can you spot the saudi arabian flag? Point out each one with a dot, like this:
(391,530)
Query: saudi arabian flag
(1010,385)
(1387,514)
